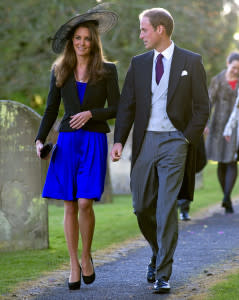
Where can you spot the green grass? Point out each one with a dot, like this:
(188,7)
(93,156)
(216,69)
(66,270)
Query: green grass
(227,289)
(115,222)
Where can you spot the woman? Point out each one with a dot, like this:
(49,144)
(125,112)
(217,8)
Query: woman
(76,174)
(223,92)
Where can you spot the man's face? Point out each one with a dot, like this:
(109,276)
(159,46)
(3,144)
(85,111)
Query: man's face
(150,36)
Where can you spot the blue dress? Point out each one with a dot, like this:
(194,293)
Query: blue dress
(78,163)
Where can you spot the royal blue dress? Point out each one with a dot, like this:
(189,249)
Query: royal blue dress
(78,163)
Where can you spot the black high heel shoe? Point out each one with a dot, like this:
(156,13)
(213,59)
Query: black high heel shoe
(91,278)
(75,285)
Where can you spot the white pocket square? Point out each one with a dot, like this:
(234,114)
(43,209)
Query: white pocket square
(184,73)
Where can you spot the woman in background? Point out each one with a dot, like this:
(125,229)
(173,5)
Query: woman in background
(76,174)
(223,92)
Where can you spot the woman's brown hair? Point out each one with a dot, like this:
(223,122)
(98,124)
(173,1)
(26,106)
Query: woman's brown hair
(66,62)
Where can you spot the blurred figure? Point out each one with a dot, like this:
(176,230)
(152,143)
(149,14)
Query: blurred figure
(223,92)
(201,161)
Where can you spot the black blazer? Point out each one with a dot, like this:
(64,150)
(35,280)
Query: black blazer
(187,104)
(94,100)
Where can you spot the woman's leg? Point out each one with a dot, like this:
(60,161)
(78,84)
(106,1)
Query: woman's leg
(87,226)
(71,228)
(221,174)
(230,178)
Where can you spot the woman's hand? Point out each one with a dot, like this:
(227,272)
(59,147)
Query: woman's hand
(39,146)
(79,120)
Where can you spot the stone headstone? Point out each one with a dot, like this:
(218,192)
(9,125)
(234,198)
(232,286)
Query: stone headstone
(120,171)
(23,213)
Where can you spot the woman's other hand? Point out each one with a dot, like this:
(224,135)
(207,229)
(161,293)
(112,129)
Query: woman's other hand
(39,146)
(80,119)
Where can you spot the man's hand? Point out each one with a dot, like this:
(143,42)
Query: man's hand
(227,138)
(206,130)
(116,152)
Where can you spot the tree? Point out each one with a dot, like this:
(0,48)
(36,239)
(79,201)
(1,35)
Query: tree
(29,25)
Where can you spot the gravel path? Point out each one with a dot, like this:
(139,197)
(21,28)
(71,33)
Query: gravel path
(208,246)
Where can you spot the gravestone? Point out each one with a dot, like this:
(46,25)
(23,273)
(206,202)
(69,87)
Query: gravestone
(23,213)
(120,170)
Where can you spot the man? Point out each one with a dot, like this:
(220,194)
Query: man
(165,96)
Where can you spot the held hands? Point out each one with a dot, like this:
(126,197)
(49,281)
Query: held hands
(79,120)
(116,152)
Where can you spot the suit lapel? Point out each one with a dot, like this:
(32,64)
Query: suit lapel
(177,66)
(147,65)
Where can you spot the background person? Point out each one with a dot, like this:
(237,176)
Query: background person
(165,97)
(223,92)
(76,174)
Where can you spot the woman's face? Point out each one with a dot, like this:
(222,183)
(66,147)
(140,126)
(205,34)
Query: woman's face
(233,68)
(82,41)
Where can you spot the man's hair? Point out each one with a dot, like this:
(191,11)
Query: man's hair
(159,16)
(232,56)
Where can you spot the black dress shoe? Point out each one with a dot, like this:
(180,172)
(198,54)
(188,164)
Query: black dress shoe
(151,274)
(91,278)
(184,216)
(75,285)
(161,287)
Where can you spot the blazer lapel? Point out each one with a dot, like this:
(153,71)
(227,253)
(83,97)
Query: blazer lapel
(73,89)
(177,65)
(146,75)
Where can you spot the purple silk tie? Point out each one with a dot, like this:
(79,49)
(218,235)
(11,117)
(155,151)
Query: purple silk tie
(159,68)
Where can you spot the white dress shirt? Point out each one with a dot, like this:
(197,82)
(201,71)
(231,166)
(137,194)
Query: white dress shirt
(159,120)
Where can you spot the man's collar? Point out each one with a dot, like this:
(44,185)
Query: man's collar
(167,53)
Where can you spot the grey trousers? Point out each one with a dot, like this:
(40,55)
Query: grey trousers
(156,179)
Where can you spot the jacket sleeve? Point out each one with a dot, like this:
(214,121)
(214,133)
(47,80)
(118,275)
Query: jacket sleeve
(113,96)
(126,110)
(234,118)
(200,98)
(51,110)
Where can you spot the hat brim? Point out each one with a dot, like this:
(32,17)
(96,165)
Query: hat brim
(105,20)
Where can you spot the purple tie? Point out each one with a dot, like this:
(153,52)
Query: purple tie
(159,68)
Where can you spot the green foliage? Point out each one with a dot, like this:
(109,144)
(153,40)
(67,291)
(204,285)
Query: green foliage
(28,26)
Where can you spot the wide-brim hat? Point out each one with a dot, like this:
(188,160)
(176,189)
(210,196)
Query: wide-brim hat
(105,20)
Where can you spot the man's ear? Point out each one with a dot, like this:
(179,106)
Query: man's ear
(160,29)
